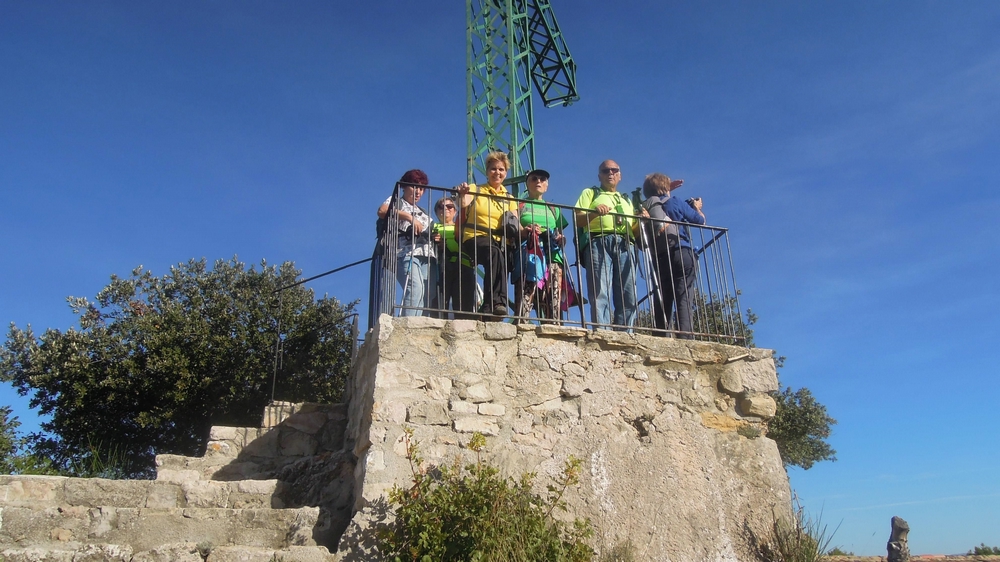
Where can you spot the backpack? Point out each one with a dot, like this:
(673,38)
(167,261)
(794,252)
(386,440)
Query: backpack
(669,237)
(530,263)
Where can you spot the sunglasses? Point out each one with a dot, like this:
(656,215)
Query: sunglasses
(448,206)
(611,170)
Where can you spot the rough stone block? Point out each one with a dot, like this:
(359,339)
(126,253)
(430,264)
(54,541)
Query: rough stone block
(492,409)
(571,388)
(164,495)
(36,555)
(178,552)
(428,413)
(757,376)
(474,424)
(463,407)
(31,490)
(438,388)
(565,332)
(93,492)
(757,404)
(478,393)
(731,382)
(540,393)
(497,331)
(295,443)
(420,322)
(265,445)
(309,423)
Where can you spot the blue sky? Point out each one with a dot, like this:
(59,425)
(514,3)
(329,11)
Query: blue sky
(851,147)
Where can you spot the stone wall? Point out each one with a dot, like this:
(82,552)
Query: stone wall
(669,429)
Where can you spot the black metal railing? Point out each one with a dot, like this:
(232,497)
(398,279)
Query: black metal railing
(619,272)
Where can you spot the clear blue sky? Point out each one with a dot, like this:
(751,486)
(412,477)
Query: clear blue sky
(851,147)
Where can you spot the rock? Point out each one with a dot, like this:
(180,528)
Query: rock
(757,404)
(500,331)
(898,547)
(477,424)
(492,409)
(429,413)
(731,382)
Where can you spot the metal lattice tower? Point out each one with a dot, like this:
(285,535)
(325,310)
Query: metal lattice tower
(512,44)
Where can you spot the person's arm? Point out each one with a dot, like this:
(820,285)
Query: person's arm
(584,217)
(464,196)
(402,215)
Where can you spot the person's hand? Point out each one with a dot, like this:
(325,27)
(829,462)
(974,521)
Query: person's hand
(462,189)
(417,227)
(696,203)
(560,240)
(436,238)
(675,184)
(643,213)
(602,209)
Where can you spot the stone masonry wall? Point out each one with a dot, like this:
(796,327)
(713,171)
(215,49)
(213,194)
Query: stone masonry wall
(657,421)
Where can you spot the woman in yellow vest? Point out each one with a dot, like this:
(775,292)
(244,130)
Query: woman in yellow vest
(487,223)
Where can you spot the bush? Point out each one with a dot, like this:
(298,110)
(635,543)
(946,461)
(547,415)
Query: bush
(800,427)
(837,551)
(474,514)
(984,550)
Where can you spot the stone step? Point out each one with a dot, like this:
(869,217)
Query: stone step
(176,552)
(179,469)
(56,491)
(74,527)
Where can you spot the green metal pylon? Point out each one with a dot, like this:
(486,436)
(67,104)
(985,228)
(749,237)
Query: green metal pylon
(512,44)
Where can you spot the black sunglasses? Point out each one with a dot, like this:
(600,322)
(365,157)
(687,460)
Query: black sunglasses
(610,170)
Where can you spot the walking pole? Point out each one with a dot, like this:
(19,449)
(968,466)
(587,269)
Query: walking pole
(653,275)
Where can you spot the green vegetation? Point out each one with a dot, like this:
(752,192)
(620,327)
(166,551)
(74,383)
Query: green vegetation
(837,551)
(803,539)
(156,361)
(621,552)
(800,427)
(474,514)
(984,550)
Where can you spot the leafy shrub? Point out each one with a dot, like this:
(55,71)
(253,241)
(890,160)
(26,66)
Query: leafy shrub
(474,514)
(800,427)
(837,551)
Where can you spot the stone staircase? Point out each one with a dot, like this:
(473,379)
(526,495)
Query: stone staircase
(280,492)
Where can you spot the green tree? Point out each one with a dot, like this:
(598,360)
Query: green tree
(14,456)
(10,440)
(156,361)
(800,427)
(983,550)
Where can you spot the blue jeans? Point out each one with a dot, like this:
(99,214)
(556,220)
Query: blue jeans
(611,274)
(417,279)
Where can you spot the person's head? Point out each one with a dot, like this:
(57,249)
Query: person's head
(609,174)
(656,184)
(497,165)
(538,183)
(413,193)
(445,210)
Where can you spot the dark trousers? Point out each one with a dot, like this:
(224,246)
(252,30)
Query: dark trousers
(447,296)
(487,252)
(676,273)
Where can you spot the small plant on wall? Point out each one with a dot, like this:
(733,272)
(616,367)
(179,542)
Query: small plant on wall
(473,513)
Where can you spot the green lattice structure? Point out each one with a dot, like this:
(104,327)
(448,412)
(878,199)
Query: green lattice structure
(512,44)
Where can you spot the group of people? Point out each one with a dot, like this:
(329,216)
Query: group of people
(482,230)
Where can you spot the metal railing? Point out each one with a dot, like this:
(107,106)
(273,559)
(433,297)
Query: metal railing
(656,277)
